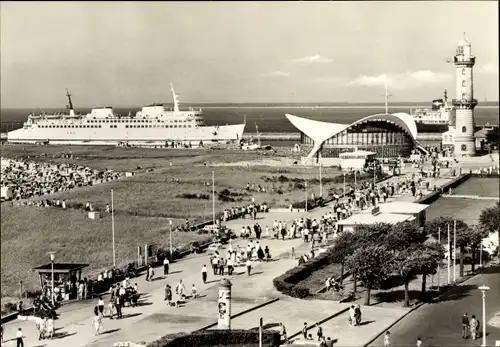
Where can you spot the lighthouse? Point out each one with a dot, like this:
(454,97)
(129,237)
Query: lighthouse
(464,142)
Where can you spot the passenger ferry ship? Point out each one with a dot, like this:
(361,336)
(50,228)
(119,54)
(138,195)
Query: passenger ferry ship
(152,125)
(440,113)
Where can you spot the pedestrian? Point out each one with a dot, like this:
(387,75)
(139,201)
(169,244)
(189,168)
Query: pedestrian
(204,273)
(465,326)
(304,331)
(40,325)
(214,262)
(168,294)
(111,308)
(193,291)
(474,325)
(283,333)
(352,315)
(166,265)
(49,327)
(419,342)
(118,306)
(100,304)
(147,273)
(249,266)
(151,273)
(97,322)
(329,342)
(19,337)
(387,339)
(1,333)
(320,332)
(357,314)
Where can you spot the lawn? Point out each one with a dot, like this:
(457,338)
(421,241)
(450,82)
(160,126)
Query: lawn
(29,233)
(142,202)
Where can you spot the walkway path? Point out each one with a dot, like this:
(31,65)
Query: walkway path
(147,322)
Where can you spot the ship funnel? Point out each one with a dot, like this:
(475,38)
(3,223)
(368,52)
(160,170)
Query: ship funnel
(70,103)
(176,98)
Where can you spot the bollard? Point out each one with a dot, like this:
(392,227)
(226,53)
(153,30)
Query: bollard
(224,304)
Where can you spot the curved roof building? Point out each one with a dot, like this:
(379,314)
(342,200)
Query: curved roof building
(389,135)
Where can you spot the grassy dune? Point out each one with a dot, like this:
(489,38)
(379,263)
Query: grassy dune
(29,233)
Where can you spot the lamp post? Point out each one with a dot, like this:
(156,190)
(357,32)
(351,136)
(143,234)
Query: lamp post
(213,196)
(483,290)
(52,257)
(344,184)
(113,227)
(305,189)
(170,237)
(320,181)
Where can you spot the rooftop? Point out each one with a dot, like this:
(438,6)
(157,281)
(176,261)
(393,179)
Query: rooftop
(402,207)
(365,218)
(60,267)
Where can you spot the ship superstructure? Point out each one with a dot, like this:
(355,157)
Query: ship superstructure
(153,125)
(440,113)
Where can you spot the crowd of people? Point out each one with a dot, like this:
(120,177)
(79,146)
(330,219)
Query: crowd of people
(29,179)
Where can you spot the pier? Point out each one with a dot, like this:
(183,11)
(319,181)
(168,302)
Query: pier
(474,197)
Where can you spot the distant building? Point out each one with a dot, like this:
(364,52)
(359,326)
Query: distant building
(386,135)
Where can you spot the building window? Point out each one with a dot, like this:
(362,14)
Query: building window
(464,96)
(463,83)
(463,71)
(464,148)
(464,129)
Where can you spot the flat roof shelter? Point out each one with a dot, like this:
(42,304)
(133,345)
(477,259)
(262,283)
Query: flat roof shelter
(406,208)
(350,223)
(68,270)
(356,159)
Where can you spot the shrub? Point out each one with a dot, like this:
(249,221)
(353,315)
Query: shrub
(300,291)
(289,282)
(194,196)
(302,204)
(218,337)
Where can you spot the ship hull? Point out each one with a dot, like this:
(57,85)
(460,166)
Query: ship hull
(112,136)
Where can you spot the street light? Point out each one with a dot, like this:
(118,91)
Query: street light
(170,237)
(344,184)
(484,289)
(52,257)
(305,189)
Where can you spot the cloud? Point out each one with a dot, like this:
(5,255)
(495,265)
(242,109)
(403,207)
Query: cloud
(489,69)
(407,80)
(328,79)
(276,74)
(312,59)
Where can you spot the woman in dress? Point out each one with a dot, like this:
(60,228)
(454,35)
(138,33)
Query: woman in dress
(49,327)
(97,321)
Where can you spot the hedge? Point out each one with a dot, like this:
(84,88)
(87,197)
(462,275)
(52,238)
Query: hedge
(289,282)
(218,337)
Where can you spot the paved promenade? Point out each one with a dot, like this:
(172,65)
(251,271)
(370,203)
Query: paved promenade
(153,318)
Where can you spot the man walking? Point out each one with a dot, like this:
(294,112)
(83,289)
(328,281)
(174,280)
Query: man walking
(465,326)
(166,264)
(204,274)
(249,266)
(19,338)
(118,305)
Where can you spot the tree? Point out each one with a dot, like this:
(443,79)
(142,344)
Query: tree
(404,265)
(493,138)
(344,246)
(371,266)
(476,235)
(403,235)
(489,219)
(427,258)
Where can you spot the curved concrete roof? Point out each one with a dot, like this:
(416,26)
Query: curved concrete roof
(320,131)
(316,130)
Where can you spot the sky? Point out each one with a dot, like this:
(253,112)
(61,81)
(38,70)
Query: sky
(128,53)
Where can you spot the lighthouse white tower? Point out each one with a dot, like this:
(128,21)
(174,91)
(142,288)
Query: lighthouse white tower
(464,61)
